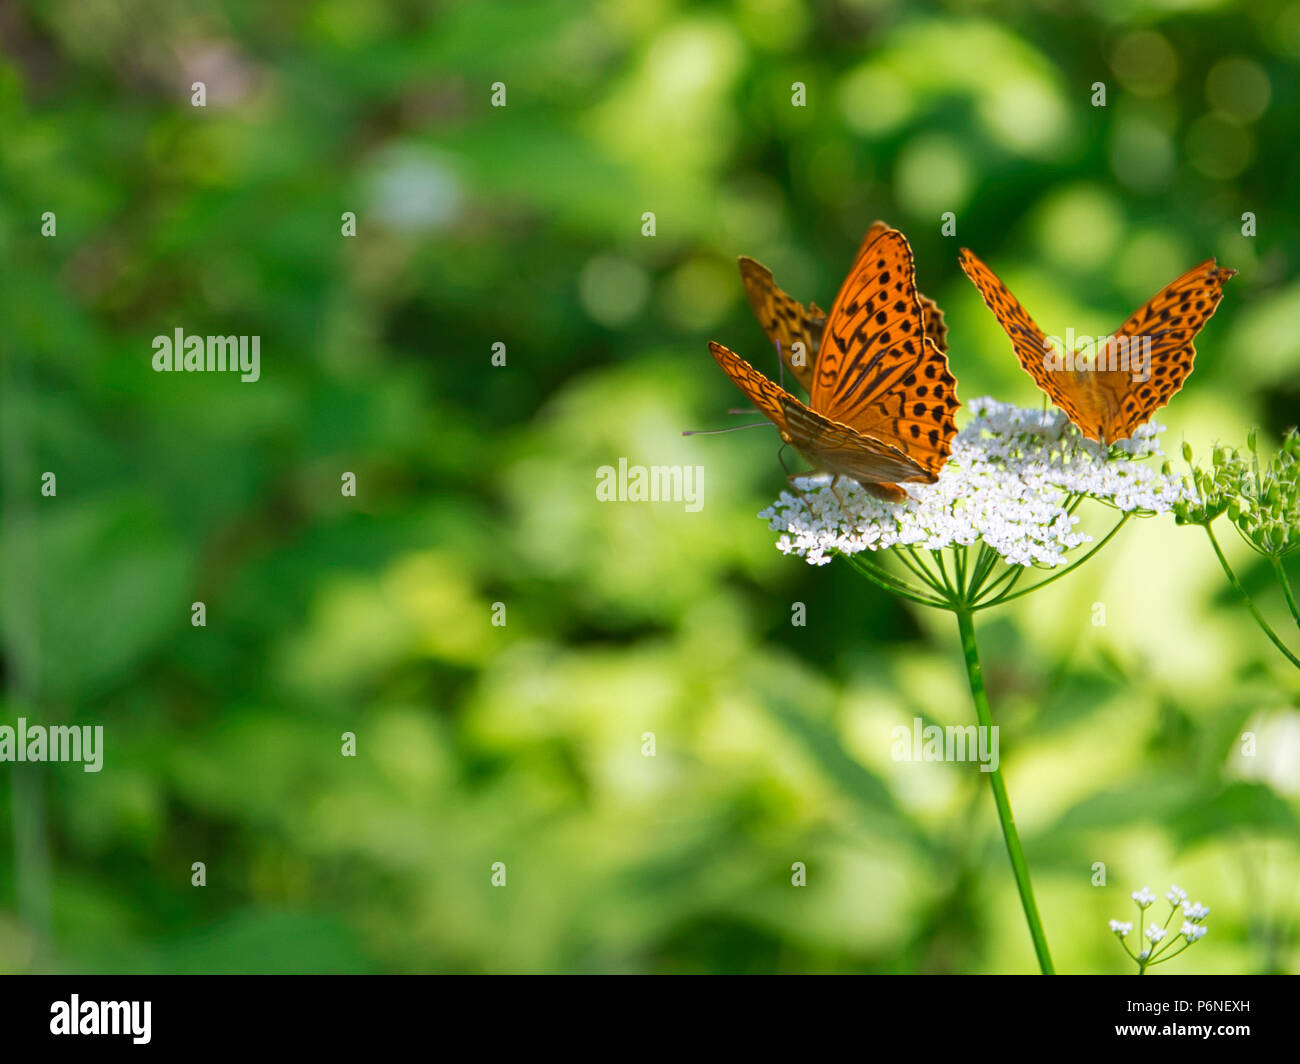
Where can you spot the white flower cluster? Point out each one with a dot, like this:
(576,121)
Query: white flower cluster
(1193,929)
(1010,481)
(1143,897)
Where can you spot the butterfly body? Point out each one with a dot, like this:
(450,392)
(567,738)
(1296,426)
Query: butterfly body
(881,396)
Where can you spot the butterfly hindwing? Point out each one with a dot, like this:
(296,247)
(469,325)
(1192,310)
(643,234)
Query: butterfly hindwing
(935,327)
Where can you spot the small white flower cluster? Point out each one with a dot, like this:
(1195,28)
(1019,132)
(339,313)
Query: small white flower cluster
(1192,929)
(1009,482)
(1191,926)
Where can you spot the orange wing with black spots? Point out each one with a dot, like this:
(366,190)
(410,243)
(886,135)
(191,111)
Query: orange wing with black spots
(826,444)
(877,370)
(796,330)
(1161,333)
(1027,340)
(1144,362)
(935,327)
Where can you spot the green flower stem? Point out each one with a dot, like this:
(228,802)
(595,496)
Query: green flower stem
(888,582)
(1170,956)
(981,585)
(1019,866)
(909,558)
(1001,583)
(943,573)
(1250,605)
(1005,597)
(1287,593)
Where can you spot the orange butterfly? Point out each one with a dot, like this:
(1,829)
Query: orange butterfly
(1106,402)
(881,396)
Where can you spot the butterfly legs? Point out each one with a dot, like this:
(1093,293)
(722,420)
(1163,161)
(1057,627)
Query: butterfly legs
(803,495)
(835,480)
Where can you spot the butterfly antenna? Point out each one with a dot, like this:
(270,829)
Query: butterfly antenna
(734,428)
(780,364)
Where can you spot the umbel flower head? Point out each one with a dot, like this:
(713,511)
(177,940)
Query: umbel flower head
(1012,484)
(1162,947)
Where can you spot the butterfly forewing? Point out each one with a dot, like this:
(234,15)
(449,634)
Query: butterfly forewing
(786,321)
(1027,339)
(935,327)
(1158,338)
(796,330)
(762,391)
(832,447)
(876,370)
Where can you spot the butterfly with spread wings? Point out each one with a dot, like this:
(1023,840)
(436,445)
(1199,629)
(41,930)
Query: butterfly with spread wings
(1107,402)
(881,395)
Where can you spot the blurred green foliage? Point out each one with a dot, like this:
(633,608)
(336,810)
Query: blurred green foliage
(522,744)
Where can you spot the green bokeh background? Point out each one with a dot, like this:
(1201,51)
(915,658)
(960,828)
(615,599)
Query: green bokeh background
(522,744)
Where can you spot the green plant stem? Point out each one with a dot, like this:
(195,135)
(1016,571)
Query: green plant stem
(888,582)
(1169,956)
(1287,593)
(948,585)
(1019,866)
(1000,584)
(1003,596)
(909,558)
(1250,605)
